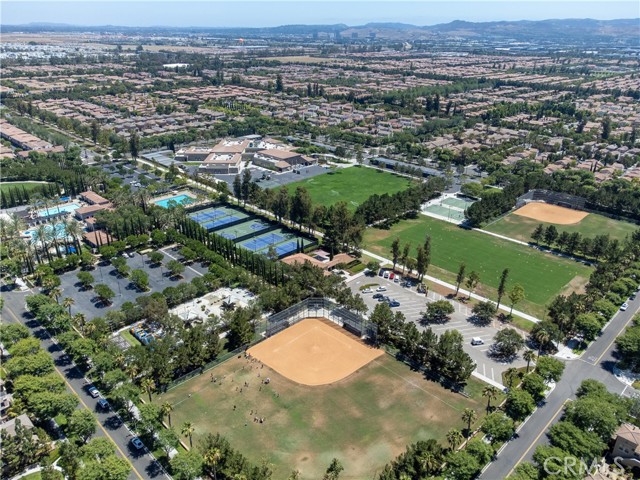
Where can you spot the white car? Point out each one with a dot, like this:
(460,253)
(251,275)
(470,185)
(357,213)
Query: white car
(386,275)
(367,290)
(477,341)
(624,306)
(381,289)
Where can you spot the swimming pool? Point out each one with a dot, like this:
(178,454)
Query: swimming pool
(58,209)
(59,229)
(179,199)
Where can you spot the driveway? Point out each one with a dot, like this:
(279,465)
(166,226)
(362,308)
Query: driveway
(413,303)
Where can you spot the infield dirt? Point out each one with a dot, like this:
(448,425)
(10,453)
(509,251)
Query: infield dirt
(545,212)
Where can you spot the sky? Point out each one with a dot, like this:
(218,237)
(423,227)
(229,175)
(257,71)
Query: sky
(267,13)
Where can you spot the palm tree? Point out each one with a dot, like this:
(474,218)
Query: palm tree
(454,438)
(542,337)
(67,302)
(132,370)
(166,408)
(491,393)
(187,431)
(79,320)
(429,462)
(52,236)
(148,385)
(211,459)
(55,293)
(529,356)
(41,237)
(74,230)
(469,415)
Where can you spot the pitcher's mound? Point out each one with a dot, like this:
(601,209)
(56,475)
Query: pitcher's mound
(311,352)
(545,212)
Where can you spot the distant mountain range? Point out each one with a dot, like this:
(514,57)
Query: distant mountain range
(519,30)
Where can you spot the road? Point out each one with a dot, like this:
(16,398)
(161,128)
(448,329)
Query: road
(144,466)
(596,363)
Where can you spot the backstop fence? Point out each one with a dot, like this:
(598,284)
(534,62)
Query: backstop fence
(556,198)
(322,307)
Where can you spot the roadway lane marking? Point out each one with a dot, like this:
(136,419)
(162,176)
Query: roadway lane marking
(82,401)
(535,440)
(613,340)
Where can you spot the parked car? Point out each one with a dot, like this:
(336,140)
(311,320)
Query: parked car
(381,273)
(386,275)
(367,290)
(394,303)
(624,306)
(137,443)
(377,295)
(93,391)
(103,404)
(381,289)
(397,279)
(391,276)
(477,341)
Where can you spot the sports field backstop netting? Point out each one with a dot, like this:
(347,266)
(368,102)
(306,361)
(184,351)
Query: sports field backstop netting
(555,198)
(321,307)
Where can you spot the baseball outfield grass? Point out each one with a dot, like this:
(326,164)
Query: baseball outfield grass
(364,420)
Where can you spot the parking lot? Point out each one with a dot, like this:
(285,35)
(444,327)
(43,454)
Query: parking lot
(277,179)
(86,301)
(136,178)
(413,303)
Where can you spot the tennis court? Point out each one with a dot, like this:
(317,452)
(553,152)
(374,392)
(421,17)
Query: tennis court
(215,218)
(250,227)
(262,241)
(457,202)
(446,212)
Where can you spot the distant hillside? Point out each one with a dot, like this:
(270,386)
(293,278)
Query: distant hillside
(576,30)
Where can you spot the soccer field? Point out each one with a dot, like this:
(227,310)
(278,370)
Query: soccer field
(542,275)
(521,228)
(352,185)
(28,186)
(364,420)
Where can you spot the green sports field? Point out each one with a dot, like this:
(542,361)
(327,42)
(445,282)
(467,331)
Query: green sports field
(352,185)
(521,228)
(542,275)
(365,420)
(28,186)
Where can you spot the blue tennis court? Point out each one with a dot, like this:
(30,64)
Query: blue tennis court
(220,222)
(286,248)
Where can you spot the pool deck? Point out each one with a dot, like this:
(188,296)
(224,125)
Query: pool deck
(169,196)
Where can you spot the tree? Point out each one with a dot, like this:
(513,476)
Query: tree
(538,234)
(550,235)
(68,302)
(516,295)
(472,282)
(37,364)
(104,293)
(529,356)
(454,438)
(421,262)
(460,277)
(550,368)
(187,430)
(534,384)
(461,465)
(469,415)
(507,343)
(279,83)
(175,268)
(168,440)
(85,279)
(166,409)
(212,457)
(480,450)
(301,207)
(582,443)
(406,250)
(156,257)
(502,287)
(554,460)
(334,470)
(588,326)
(373,267)
(427,252)
(483,312)
(498,427)
(148,385)
(438,311)
(237,188)
(134,144)
(395,252)
(491,393)
(519,404)
(544,333)
(510,374)
(82,424)
(187,465)
(140,279)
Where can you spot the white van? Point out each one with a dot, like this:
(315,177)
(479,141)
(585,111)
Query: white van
(477,341)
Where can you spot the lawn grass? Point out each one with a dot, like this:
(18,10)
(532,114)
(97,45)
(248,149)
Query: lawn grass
(542,275)
(352,185)
(126,334)
(364,420)
(6,186)
(521,228)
